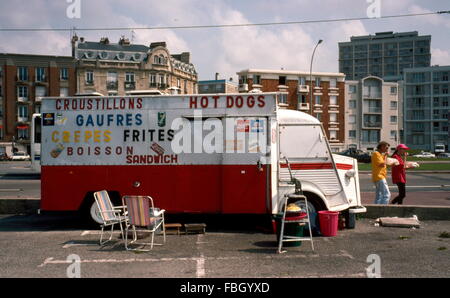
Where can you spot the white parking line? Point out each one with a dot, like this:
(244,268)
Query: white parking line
(200,261)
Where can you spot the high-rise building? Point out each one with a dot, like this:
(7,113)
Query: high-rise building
(372,113)
(24,80)
(426,107)
(385,55)
(326,103)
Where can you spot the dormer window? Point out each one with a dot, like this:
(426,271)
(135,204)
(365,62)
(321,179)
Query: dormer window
(103,55)
(121,56)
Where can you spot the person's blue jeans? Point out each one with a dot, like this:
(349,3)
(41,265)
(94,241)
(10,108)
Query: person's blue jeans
(382,193)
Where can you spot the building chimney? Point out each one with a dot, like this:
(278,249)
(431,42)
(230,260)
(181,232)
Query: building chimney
(74,43)
(217,76)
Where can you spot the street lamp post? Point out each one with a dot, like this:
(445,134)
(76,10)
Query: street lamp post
(310,78)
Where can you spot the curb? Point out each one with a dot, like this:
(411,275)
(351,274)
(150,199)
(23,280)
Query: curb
(19,206)
(422,212)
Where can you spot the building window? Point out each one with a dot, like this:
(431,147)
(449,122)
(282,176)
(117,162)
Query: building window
(333,135)
(63,91)
(332,83)
(333,117)
(333,100)
(22,133)
(352,104)
(63,74)
(89,77)
(393,105)
(22,73)
(281,80)
(393,119)
(352,119)
(40,74)
(22,111)
(352,134)
(352,89)
(41,91)
(319,116)
(393,90)
(22,92)
(283,98)
(318,82)
(178,83)
(317,99)
(129,77)
(394,134)
(257,79)
(302,81)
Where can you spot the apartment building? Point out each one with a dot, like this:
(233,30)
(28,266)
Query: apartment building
(325,100)
(384,54)
(24,80)
(117,68)
(426,107)
(372,113)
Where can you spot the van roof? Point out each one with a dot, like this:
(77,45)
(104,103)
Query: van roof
(286,116)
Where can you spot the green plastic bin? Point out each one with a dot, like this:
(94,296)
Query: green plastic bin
(290,229)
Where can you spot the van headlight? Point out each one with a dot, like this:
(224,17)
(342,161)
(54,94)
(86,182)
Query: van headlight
(350,174)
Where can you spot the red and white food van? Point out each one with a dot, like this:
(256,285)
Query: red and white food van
(216,153)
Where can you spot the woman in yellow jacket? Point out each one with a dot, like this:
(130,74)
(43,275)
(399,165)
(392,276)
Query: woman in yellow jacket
(379,173)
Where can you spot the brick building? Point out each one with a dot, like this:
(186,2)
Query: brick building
(327,102)
(24,80)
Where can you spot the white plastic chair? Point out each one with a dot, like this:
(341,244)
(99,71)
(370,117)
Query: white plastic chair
(110,214)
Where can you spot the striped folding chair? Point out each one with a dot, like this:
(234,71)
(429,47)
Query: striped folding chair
(143,214)
(110,214)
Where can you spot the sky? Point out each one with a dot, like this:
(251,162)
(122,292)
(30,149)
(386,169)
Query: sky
(223,50)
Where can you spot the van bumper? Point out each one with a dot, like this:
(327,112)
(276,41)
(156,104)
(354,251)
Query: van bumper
(357,209)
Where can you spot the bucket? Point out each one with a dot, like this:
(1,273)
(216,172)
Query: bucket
(328,221)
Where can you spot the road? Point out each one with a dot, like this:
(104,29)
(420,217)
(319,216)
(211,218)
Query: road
(17,180)
(421,188)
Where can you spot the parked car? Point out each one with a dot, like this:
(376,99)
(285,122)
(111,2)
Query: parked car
(360,155)
(444,155)
(20,156)
(425,155)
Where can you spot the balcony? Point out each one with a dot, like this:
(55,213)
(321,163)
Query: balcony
(22,119)
(243,88)
(372,94)
(22,99)
(303,106)
(130,85)
(113,85)
(375,110)
(38,99)
(303,88)
(369,124)
(89,83)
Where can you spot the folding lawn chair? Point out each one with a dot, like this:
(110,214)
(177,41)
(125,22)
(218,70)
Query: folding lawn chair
(143,214)
(110,215)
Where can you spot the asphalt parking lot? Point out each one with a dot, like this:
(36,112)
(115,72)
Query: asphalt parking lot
(46,245)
